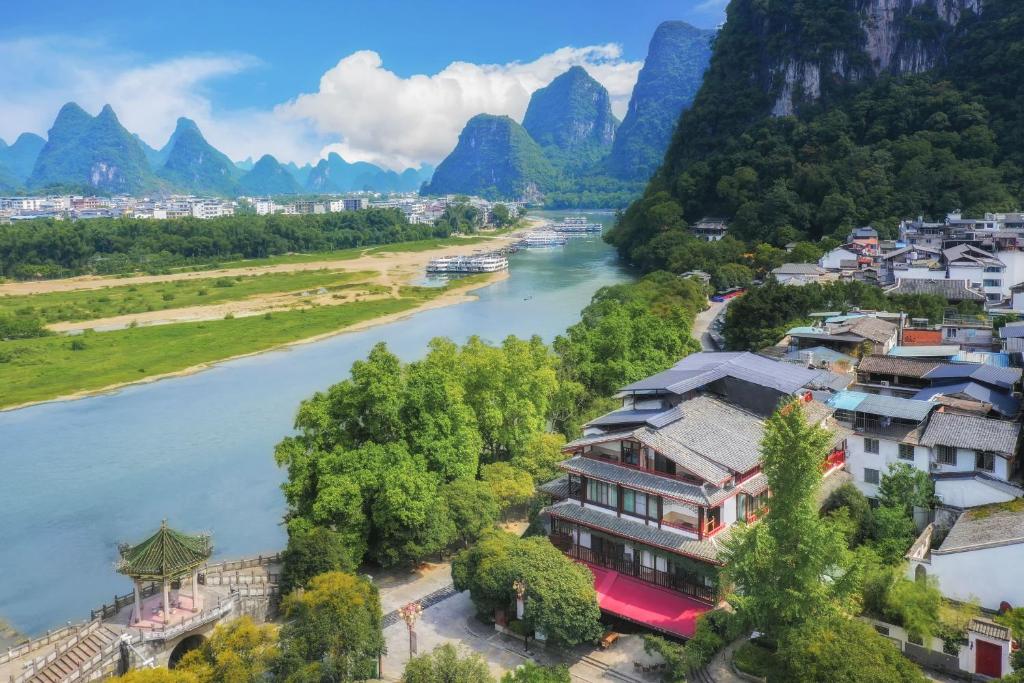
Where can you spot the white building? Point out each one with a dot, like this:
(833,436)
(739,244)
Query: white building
(206,209)
(836,258)
(265,207)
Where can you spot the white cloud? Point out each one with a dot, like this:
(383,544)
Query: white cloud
(362,110)
(381,117)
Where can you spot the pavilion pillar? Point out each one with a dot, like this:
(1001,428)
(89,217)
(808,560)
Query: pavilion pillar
(167,600)
(138,600)
(195,590)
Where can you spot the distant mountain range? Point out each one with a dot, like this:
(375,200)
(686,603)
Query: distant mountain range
(569,142)
(96,154)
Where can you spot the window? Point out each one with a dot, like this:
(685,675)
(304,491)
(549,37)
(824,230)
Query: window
(906,451)
(634,502)
(741,506)
(945,455)
(993,269)
(601,493)
(663,464)
(630,453)
(951,332)
(993,283)
(870,476)
(870,445)
(985,461)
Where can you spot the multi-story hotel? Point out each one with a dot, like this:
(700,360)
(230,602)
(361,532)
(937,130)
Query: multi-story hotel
(653,489)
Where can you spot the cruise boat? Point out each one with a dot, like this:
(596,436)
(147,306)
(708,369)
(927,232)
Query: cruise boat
(543,238)
(576,224)
(476,263)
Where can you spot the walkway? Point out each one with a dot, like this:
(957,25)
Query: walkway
(702,324)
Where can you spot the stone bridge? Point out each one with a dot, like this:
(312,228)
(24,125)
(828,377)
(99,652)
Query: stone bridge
(108,645)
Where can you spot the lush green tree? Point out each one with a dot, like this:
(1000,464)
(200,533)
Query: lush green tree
(843,650)
(332,630)
(806,252)
(917,603)
(473,506)
(560,599)
(534,673)
(509,485)
(444,665)
(239,651)
(22,327)
(158,676)
(314,550)
(905,487)
(858,510)
(501,216)
(731,275)
(410,518)
(794,566)
(540,456)
(893,533)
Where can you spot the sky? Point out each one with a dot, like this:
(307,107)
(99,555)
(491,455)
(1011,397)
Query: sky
(391,82)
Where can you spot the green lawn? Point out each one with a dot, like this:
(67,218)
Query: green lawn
(48,367)
(161,296)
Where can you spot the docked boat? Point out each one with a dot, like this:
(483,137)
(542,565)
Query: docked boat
(575,225)
(543,238)
(475,263)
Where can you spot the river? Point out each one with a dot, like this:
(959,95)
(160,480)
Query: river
(78,477)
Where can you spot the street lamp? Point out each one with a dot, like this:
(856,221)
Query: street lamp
(410,613)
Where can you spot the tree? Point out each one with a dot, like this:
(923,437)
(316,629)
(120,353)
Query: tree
(411,519)
(794,566)
(444,665)
(534,673)
(501,215)
(237,652)
(158,676)
(838,649)
(893,533)
(905,487)
(540,456)
(509,486)
(314,550)
(731,275)
(858,510)
(560,599)
(332,630)
(917,605)
(474,508)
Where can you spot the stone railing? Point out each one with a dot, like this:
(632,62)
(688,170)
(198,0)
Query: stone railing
(42,641)
(106,611)
(32,667)
(91,668)
(247,563)
(224,606)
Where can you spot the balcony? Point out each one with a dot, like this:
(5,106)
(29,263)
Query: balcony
(632,567)
(834,461)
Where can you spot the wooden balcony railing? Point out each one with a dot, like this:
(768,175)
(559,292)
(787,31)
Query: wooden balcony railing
(633,567)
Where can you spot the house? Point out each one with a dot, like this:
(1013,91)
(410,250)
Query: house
(972,333)
(800,273)
(1012,336)
(652,490)
(841,257)
(979,267)
(953,291)
(710,229)
(895,262)
(866,237)
(980,557)
(848,334)
(974,459)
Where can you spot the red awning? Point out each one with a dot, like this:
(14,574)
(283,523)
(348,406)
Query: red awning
(643,603)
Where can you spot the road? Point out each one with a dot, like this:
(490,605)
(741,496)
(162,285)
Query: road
(702,323)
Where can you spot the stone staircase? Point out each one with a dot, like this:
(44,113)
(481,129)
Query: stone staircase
(93,652)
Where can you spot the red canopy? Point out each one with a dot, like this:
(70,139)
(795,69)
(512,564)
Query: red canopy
(646,604)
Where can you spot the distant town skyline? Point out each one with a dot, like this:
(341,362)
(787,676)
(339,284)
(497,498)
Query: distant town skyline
(391,83)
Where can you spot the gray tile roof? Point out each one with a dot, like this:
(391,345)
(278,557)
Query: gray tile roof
(969,431)
(635,479)
(598,438)
(896,365)
(700,369)
(984,527)
(869,327)
(707,549)
(678,453)
(557,488)
(951,290)
(624,417)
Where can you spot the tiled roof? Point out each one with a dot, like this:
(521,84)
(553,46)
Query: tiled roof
(707,549)
(951,290)
(635,479)
(556,488)
(700,369)
(685,457)
(756,484)
(968,431)
(895,365)
(989,628)
(984,527)
(870,328)
(596,439)
(624,417)
(167,553)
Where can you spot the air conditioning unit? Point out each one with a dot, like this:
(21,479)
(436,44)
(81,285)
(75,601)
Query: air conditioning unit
(884,382)
(935,466)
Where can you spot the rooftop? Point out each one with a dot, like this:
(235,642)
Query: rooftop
(969,431)
(884,406)
(165,554)
(985,527)
(700,369)
(951,290)
(1002,402)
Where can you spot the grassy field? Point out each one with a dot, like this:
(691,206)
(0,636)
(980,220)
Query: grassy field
(161,296)
(49,367)
(345,254)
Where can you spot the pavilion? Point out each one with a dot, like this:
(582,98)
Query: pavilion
(163,558)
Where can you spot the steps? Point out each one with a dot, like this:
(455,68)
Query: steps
(79,656)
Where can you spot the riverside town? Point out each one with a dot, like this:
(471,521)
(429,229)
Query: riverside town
(680,343)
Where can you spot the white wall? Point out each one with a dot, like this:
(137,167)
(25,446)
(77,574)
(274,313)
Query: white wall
(992,575)
(888,452)
(833,259)
(966,459)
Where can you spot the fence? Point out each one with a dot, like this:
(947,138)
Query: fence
(39,663)
(42,641)
(90,669)
(204,617)
(121,601)
(648,574)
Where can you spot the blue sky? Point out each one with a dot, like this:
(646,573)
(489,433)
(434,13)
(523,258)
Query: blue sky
(253,73)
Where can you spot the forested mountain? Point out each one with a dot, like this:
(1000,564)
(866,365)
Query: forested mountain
(268,177)
(9,183)
(819,116)
(676,60)
(334,174)
(197,166)
(97,153)
(20,158)
(495,157)
(571,118)
(300,173)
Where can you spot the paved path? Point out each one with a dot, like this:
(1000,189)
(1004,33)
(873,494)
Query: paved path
(719,669)
(702,324)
